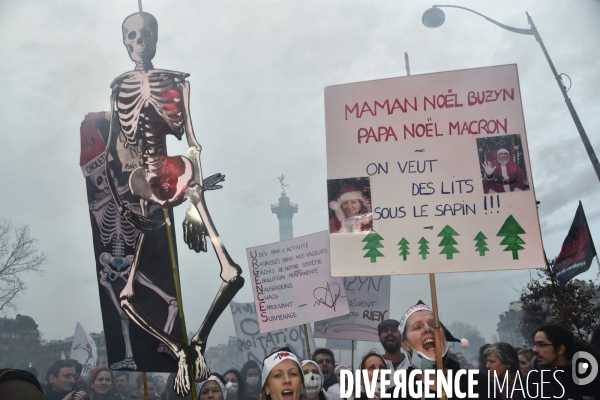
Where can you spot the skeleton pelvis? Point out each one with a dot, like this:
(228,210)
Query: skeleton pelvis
(166,189)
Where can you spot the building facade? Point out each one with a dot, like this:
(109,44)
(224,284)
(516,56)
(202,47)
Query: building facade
(508,327)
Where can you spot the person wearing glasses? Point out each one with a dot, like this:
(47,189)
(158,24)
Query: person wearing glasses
(554,347)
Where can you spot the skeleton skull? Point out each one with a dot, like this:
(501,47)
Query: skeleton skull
(98,178)
(140,34)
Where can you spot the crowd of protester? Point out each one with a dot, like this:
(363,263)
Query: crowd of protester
(502,372)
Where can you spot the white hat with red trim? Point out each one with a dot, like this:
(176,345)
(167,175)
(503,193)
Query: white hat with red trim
(272,360)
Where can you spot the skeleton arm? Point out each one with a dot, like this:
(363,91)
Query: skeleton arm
(194,148)
(194,229)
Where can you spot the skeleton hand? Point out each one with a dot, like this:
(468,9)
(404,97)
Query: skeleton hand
(489,170)
(194,230)
(210,183)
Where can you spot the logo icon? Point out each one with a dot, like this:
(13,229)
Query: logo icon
(584,364)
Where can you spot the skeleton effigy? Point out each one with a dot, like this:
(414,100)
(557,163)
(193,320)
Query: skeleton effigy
(149,104)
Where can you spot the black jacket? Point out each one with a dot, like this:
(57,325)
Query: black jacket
(481,383)
(559,384)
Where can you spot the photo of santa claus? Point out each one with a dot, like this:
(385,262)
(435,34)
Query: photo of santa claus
(502,164)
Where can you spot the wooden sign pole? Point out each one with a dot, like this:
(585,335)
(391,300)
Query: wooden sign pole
(307,341)
(437,330)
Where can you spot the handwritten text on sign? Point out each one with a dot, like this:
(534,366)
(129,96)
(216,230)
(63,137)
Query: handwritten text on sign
(369,301)
(255,345)
(292,282)
(447,160)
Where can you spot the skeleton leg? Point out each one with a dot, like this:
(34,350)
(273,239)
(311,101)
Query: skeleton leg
(128,362)
(230,274)
(184,353)
(171,301)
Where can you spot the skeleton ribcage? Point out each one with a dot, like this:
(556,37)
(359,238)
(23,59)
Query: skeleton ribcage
(138,90)
(113,226)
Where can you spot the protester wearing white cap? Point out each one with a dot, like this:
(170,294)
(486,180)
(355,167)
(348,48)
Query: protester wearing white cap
(419,343)
(212,389)
(313,381)
(418,339)
(282,376)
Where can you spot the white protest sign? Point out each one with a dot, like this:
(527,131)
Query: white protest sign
(292,282)
(255,345)
(430,174)
(83,349)
(369,301)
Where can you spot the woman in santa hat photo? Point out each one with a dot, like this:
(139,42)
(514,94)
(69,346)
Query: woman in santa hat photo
(352,211)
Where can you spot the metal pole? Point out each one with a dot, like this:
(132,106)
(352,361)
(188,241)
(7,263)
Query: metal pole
(563,89)
(533,31)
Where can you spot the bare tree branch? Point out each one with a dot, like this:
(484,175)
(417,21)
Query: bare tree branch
(18,255)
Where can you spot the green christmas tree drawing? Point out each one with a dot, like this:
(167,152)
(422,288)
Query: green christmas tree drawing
(403,248)
(480,244)
(448,242)
(511,231)
(423,248)
(373,241)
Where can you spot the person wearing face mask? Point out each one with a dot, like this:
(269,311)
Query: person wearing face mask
(252,377)
(338,375)
(313,381)
(419,343)
(235,386)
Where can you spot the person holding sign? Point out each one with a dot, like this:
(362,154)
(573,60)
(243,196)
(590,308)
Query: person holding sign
(502,174)
(352,211)
(282,376)
(419,343)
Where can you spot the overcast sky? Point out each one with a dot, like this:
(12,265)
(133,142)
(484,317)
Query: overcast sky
(258,72)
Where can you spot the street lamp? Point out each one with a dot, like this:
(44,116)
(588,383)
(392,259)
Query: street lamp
(435,17)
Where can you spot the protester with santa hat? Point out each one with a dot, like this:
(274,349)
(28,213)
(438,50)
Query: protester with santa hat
(502,174)
(352,211)
(419,342)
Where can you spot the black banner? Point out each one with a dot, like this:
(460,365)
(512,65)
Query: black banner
(577,251)
(129,347)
